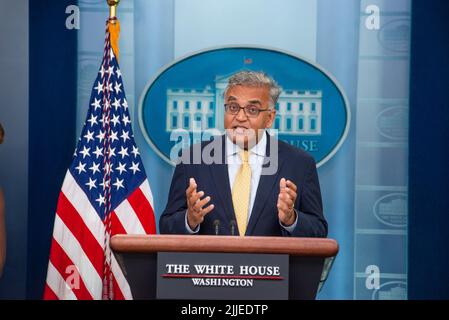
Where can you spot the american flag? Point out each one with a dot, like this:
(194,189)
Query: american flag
(105,192)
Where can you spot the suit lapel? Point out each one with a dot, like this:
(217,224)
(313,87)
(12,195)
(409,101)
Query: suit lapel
(267,184)
(220,176)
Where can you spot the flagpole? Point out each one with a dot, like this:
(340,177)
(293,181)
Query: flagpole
(113,9)
(114,25)
(108,291)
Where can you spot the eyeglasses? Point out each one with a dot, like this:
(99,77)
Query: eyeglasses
(251,111)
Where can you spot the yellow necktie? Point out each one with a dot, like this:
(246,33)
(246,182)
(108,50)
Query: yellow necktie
(241,193)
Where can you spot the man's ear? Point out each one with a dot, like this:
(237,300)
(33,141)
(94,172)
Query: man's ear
(271,117)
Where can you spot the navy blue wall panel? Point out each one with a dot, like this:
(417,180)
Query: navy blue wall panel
(52,116)
(429,152)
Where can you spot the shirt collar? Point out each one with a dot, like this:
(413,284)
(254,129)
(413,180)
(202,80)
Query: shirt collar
(259,149)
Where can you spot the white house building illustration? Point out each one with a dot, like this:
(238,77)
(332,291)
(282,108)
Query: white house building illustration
(395,293)
(297,111)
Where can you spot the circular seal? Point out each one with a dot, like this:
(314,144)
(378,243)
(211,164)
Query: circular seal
(186,98)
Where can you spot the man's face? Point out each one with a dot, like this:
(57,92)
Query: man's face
(241,128)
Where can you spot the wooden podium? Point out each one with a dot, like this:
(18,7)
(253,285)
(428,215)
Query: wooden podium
(138,255)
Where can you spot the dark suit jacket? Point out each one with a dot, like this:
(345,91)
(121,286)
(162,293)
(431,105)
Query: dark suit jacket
(293,164)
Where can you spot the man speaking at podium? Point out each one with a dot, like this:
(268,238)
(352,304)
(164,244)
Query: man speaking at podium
(260,186)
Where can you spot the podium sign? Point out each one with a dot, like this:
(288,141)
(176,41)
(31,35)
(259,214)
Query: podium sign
(222,276)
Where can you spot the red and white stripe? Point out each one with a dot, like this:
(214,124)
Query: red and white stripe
(78,242)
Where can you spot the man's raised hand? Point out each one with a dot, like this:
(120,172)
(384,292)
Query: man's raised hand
(196,203)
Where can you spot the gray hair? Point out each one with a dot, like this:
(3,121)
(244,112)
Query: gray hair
(255,79)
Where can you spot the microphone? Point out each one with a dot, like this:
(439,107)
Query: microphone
(216,226)
(232,227)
